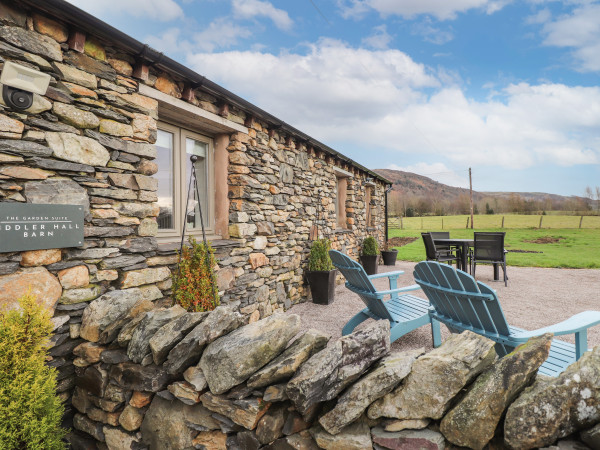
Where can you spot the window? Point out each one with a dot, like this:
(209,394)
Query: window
(341,194)
(174,147)
(340,201)
(368,207)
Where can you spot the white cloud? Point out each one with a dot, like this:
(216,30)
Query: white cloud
(220,33)
(380,38)
(248,9)
(384,101)
(329,83)
(441,9)
(580,31)
(431,33)
(163,10)
(436,171)
(540,17)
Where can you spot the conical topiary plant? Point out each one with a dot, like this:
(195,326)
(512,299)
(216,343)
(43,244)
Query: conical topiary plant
(30,411)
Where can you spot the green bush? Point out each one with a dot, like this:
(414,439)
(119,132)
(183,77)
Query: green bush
(195,282)
(30,411)
(369,246)
(319,260)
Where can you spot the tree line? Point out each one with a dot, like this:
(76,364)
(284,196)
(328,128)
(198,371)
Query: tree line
(411,205)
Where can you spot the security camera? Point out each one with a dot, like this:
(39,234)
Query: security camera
(19,83)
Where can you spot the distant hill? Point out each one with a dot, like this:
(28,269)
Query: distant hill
(410,184)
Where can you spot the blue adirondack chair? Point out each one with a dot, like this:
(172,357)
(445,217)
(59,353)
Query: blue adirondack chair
(462,303)
(405,312)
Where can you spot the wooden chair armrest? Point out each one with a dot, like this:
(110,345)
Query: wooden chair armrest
(413,287)
(386,275)
(573,324)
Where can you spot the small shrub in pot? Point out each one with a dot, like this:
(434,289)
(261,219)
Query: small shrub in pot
(321,273)
(389,256)
(369,255)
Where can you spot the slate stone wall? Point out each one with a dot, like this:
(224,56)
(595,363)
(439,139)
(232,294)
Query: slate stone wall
(164,378)
(89,141)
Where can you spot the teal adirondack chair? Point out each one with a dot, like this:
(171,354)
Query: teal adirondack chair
(462,303)
(405,312)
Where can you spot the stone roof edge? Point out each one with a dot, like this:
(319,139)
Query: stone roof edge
(66,12)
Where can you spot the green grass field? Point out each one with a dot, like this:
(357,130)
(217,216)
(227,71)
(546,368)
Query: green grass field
(495,221)
(575,248)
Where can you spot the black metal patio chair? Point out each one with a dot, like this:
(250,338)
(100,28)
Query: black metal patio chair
(489,249)
(433,254)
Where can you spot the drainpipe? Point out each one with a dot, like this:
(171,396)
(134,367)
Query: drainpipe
(386,213)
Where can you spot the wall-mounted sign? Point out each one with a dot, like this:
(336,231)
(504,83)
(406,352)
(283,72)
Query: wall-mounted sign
(25,226)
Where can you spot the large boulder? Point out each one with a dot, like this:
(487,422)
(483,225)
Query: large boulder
(170,334)
(37,281)
(104,317)
(219,322)
(428,390)
(139,378)
(231,359)
(386,375)
(285,365)
(330,371)
(139,346)
(408,439)
(473,421)
(245,412)
(354,437)
(57,191)
(171,424)
(554,408)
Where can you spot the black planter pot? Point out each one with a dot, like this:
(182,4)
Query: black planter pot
(389,257)
(322,286)
(369,263)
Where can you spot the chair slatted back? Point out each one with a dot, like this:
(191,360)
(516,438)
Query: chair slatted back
(358,282)
(440,235)
(489,246)
(461,300)
(429,246)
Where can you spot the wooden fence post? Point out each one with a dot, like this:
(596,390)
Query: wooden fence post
(541,218)
(502,222)
(467,226)
(442,223)
(421,222)
(401,223)
(580,220)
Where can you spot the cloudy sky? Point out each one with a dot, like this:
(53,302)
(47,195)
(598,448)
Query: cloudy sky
(507,87)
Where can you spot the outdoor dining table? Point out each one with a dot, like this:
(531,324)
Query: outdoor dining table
(465,244)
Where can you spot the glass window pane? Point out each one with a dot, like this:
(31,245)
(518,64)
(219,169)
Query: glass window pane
(164,160)
(200,149)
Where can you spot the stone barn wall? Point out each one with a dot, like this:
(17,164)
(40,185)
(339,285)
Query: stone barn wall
(171,379)
(90,141)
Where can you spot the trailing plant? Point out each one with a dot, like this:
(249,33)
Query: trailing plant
(319,260)
(369,246)
(31,412)
(195,282)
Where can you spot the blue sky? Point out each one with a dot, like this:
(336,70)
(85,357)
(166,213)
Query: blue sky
(507,87)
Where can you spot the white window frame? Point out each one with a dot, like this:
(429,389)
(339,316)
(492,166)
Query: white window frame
(180,185)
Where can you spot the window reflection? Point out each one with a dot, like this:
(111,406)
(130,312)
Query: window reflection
(198,148)
(164,160)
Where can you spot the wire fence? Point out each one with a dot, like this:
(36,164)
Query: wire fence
(485,221)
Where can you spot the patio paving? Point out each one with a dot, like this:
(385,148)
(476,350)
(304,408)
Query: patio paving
(534,298)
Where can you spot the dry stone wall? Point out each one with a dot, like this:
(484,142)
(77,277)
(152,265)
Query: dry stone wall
(89,141)
(170,379)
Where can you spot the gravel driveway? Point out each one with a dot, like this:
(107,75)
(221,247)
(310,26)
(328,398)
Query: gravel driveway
(534,298)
